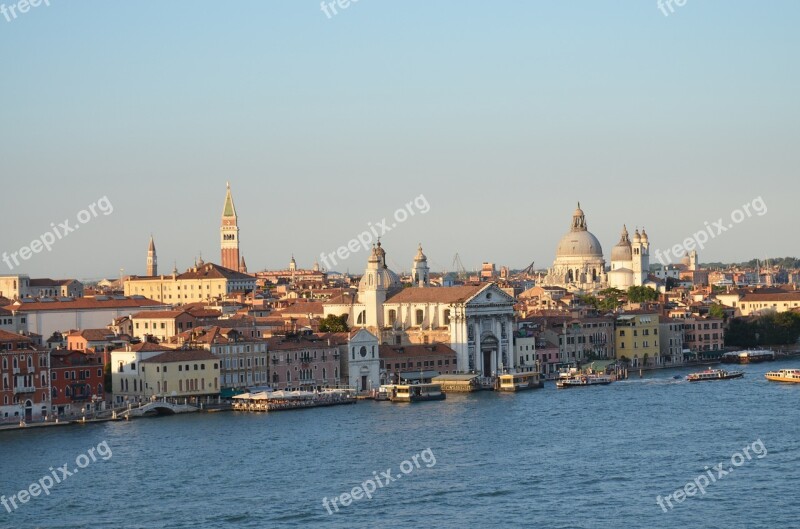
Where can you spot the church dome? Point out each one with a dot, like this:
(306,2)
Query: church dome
(420,256)
(579,242)
(382,278)
(622,251)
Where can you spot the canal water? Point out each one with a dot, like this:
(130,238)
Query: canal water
(575,458)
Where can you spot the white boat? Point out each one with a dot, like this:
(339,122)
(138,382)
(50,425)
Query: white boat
(713,374)
(416,392)
(577,381)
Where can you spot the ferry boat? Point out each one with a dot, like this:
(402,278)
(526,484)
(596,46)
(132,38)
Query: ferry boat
(416,392)
(713,374)
(784,375)
(519,381)
(577,381)
(748,357)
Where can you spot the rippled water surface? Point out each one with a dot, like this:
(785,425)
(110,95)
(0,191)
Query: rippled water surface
(585,458)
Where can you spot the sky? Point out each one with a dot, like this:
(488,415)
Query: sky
(501,115)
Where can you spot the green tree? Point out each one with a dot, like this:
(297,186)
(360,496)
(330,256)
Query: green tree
(717,310)
(641,294)
(334,323)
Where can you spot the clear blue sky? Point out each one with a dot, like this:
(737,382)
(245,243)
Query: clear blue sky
(503,114)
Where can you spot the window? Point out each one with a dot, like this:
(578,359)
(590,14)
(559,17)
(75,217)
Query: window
(420,316)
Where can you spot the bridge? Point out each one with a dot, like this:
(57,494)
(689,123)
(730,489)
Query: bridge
(158,407)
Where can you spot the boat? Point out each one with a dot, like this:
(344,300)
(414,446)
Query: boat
(748,357)
(713,374)
(591,379)
(519,381)
(291,400)
(416,392)
(784,375)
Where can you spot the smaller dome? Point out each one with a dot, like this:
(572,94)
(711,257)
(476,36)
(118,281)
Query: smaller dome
(636,236)
(622,251)
(644,235)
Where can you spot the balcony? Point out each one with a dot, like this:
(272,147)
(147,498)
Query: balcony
(24,389)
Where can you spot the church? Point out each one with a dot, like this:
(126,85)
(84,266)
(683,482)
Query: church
(580,266)
(475,320)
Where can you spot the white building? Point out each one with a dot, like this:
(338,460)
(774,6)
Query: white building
(630,261)
(476,321)
(362,361)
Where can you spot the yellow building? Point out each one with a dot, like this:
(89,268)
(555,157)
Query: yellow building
(636,338)
(180,373)
(201,283)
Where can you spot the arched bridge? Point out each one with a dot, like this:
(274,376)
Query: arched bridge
(158,407)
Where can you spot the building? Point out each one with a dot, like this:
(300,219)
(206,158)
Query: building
(94,340)
(475,320)
(303,362)
(757,301)
(229,236)
(630,261)
(670,339)
(21,286)
(13,321)
(161,324)
(152,259)
(243,359)
(579,262)
(76,382)
(579,339)
(146,371)
(46,316)
(25,378)
(361,361)
(204,282)
(702,335)
(637,339)
(408,361)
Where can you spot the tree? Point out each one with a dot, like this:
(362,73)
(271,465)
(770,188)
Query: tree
(641,294)
(610,299)
(334,323)
(717,310)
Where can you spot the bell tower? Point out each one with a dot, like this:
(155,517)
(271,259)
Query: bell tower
(152,259)
(229,234)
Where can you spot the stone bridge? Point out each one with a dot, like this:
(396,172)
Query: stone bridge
(159,407)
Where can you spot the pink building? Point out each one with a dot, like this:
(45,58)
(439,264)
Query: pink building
(300,362)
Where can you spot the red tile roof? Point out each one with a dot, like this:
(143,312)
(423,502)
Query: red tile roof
(180,355)
(84,304)
(392,352)
(458,294)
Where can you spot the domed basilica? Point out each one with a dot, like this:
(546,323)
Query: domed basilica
(580,266)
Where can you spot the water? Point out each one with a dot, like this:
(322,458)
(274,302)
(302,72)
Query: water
(577,458)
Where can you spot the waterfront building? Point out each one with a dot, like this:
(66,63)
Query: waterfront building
(670,339)
(25,378)
(303,362)
(361,360)
(243,359)
(49,315)
(476,320)
(408,361)
(637,339)
(204,282)
(702,335)
(76,381)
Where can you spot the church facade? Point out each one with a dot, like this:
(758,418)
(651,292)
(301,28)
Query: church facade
(475,320)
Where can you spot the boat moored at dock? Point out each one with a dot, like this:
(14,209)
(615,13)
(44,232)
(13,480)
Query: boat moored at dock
(416,392)
(784,375)
(291,400)
(748,357)
(519,381)
(713,374)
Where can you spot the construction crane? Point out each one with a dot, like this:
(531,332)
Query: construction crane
(529,270)
(461,272)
